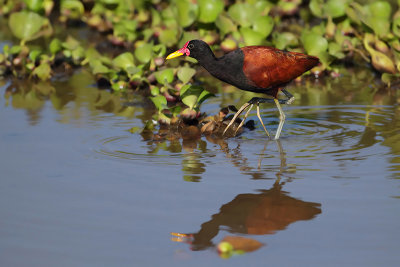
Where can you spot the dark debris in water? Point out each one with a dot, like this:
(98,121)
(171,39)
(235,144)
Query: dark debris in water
(189,129)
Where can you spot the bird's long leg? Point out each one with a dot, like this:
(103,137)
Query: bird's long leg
(257,101)
(242,108)
(281,119)
(259,117)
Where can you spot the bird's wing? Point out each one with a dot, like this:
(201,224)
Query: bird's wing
(269,67)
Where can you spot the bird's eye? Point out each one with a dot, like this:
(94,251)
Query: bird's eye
(190,46)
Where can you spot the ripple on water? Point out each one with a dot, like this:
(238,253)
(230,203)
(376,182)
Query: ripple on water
(337,133)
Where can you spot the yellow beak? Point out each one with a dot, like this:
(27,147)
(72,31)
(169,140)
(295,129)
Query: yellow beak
(174,55)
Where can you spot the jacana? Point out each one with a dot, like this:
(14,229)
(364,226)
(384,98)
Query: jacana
(259,69)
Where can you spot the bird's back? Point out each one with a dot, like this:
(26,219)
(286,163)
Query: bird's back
(268,67)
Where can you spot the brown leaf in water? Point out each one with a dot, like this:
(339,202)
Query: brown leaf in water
(243,243)
(209,127)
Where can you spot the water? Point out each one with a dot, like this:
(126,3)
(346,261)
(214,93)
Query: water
(79,189)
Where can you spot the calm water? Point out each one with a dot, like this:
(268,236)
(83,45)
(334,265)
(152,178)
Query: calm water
(78,188)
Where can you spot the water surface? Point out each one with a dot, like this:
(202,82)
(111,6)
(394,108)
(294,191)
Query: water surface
(81,186)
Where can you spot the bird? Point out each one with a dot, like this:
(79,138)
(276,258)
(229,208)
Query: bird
(258,69)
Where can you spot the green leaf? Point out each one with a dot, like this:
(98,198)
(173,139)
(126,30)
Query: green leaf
(123,61)
(225,25)
(34,5)
(396,26)
(34,54)
(55,46)
(15,49)
(263,25)
(71,43)
(316,7)
(313,43)
(335,50)
(193,95)
(144,53)
(185,74)
(24,25)
(380,9)
(335,8)
(154,90)
(160,102)
(73,8)
(168,37)
(284,40)
(98,67)
(165,76)
(242,13)
(251,37)
(187,12)
(43,71)
(209,10)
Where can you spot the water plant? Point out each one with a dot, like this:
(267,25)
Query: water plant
(338,32)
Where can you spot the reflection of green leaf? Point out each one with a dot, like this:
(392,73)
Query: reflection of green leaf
(24,25)
(209,10)
(165,75)
(185,74)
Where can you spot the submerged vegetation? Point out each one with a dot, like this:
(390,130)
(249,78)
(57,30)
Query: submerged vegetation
(137,35)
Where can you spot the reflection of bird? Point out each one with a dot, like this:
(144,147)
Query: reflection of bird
(257,214)
(258,69)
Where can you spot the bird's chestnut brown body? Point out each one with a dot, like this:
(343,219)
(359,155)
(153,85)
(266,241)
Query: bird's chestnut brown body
(271,68)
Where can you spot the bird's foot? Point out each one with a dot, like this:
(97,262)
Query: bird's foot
(250,104)
(290,100)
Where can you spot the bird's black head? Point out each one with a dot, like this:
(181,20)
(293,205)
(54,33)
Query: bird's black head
(195,48)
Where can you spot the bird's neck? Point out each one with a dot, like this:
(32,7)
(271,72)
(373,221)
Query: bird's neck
(210,62)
